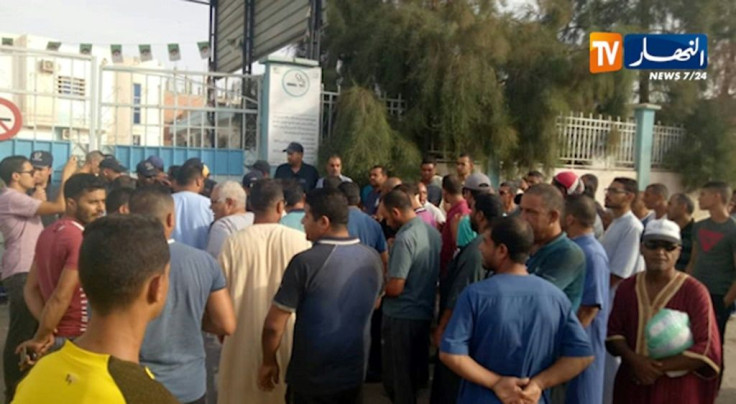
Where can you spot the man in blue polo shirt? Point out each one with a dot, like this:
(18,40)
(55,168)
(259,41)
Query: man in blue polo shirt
(557,259)
(408,308)
(512,336)
(333,288)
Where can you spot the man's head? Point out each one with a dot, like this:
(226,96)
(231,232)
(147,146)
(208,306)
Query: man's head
(655,195)
(157,162)
(124,266)
(191,175)
(294,154)
(713,195)
(110,168)
(423,193)
(391,183)
(250,178)
(680,206)
(351,191)
(464,165)
(267,198)
(591,184)
(85,197)
(428,169)
(732,203)
(660,245)
(377,176)
(507,191)
(331,182)
(396,208)
(325,212)
(117,200)
(147,173)
(487,209)
(580,212)
(17,171)
(508,241)
(293,194)
(154,201)
(227,198)
(534,177)
(263,167)
(452,186)
(173,173)
(43,162)
(476,184)
(542,206)
(621,193)
(124,181)
(568,183)
(412,190)
(92,161)
(334,166)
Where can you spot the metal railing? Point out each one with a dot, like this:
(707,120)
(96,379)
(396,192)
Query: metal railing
(394,107)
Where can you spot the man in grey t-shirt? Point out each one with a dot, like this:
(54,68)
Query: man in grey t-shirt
(228,204)
(173,347)
(713,259)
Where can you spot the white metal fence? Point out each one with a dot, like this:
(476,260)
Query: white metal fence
(590,141)
(394,106)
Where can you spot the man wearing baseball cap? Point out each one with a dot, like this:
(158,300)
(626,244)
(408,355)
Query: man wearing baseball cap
(110,168)
(296,168)
(43,162)
(476,184)
(687,375)
(146,172)
(263,167)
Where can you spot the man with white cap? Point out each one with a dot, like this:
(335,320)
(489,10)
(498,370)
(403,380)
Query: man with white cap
(656,368)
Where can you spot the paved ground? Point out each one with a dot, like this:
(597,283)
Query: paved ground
(373,393)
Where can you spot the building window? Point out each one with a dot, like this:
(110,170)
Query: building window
(136,103)
(68,85)
(136,140)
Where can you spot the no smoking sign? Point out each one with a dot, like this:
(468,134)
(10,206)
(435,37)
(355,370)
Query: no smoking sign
(10,119)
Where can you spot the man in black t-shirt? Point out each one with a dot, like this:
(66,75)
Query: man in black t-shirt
(333,288)
(297,169)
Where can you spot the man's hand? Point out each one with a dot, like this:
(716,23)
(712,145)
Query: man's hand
(509,389)
(40,194)
(532,392)
(69,169)
(437,336)
(646,370)
(33,349)
(268,376)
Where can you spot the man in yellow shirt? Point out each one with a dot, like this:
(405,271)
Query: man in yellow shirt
(124,270)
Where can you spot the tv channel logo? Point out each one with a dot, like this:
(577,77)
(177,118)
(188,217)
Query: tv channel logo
(608,52)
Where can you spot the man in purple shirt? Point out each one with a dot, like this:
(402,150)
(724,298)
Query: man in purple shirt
(20,224)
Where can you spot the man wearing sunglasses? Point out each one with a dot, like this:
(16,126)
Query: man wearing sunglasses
(689,376)
(20,224)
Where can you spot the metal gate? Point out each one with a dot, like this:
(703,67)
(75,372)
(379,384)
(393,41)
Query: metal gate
(132,108)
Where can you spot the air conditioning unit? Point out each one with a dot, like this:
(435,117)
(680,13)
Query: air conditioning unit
(47,66)
(65,134)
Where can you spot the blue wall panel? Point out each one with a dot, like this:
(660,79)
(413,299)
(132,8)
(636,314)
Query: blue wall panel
(61,151)
(221,162)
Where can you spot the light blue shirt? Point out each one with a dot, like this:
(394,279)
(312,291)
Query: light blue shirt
(293,219)
(193,219)
(173,347)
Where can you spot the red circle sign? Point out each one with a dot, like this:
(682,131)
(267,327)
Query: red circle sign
(10,119)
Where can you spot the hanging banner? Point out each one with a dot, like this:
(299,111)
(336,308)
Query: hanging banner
(53,46)
(145,51)
(85,48)
(117,53)
(204,49)
(174,53)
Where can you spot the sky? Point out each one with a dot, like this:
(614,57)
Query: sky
(106,22)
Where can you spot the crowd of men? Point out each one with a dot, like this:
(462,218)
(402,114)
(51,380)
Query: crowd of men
(302,288)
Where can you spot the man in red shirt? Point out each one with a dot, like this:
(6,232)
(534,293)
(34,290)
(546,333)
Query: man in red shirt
(452,194)
(53,292)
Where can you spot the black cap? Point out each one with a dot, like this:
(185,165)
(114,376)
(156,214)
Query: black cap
(294,147)
(157,162)
(261,166)
(41,158)
(146,169)
(112,163)
(251,177)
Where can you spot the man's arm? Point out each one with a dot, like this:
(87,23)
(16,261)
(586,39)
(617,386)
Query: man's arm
(273,331)
(32,293)
(586,314)
(59,205)
(508,389)
(646,370)
(441,325)
(730,296)
(395,287)
(219,315)
(693,255)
